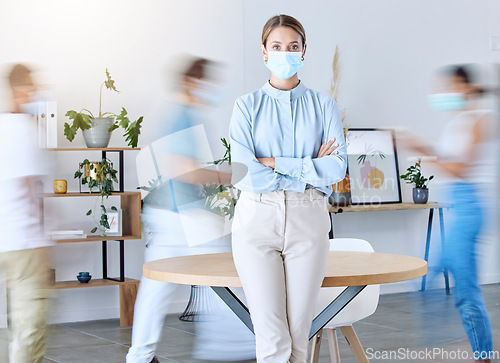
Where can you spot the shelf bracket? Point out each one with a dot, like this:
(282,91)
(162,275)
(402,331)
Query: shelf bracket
(105,261)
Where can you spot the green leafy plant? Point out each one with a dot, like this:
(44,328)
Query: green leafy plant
(155,196)
(414,176)
(227,154)
(100,175)
(83,120)
(218,198)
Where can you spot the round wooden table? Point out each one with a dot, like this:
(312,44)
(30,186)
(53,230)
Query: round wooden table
(355,270)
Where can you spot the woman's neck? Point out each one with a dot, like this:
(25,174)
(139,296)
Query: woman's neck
(284,84)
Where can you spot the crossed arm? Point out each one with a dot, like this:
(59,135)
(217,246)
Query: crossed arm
(266,175)
(327,148)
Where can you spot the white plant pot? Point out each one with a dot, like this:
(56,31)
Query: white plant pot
(98,134)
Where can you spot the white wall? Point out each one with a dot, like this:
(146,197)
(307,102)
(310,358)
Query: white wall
(389,50)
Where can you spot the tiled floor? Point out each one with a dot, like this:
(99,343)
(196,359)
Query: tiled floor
(414,320)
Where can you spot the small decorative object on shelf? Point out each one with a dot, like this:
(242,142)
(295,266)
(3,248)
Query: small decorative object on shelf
(66,234)
(414,176)
(341,193)
(115,223)
(84,277)
(60,186)
(97,130)
(100,175)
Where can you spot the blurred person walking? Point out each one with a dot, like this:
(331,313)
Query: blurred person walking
(176,149)
(466,152)
(291,140)
(23,251)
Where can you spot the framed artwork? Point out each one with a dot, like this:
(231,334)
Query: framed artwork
(373,166)
(115,223)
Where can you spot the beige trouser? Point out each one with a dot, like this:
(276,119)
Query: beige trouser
(280,249)
(26,273)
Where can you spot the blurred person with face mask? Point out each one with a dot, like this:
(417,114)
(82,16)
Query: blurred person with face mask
(466,152)
(175,147)
(23,251)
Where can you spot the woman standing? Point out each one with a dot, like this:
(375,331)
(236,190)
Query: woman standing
(291,140)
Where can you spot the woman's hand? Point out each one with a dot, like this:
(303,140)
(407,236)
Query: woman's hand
(267,162)
(327,148)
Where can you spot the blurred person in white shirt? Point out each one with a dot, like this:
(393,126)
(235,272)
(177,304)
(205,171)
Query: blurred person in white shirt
(23,251)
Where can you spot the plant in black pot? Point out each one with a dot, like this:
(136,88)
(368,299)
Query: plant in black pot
(97,130)
(414,176)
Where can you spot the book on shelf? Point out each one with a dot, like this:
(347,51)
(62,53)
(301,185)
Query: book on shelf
(65,232)
(68,236)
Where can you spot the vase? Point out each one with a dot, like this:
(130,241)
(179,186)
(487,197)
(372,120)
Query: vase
(341,195)
(95,173)
(98,135)
(84,277)
(420,196)
(60,186)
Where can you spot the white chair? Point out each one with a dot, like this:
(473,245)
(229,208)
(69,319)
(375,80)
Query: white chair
(359,308)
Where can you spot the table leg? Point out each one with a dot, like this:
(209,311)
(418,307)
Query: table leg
(235,305)
(445,270)
(319,321)
(330,234)
(427,244)
(334,308)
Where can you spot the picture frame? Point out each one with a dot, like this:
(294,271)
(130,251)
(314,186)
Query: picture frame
(373,166)
(115,223)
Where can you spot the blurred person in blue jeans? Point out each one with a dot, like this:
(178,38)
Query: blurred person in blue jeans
(23,251)
(175,150)
(465,152)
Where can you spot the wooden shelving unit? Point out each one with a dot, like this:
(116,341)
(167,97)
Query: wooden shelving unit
(131,211)
(75,284)
(131,229)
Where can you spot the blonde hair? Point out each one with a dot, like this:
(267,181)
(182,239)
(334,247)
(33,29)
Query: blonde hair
(283,20)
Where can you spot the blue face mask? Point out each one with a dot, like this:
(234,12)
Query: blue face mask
(284,64)
(209,93)
(448,101)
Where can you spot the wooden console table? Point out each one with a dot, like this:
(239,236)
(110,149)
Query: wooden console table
(431,206)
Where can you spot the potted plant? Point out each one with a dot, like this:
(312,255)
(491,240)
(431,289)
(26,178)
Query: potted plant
(221,199)
(97,130)
(414,176)
(100,175)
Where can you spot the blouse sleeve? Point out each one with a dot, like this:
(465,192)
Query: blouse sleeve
(327,169)
(258,178)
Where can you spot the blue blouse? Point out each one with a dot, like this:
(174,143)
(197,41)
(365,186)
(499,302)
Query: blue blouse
(289,126)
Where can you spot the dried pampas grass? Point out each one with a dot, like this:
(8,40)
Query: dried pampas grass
(334,88)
